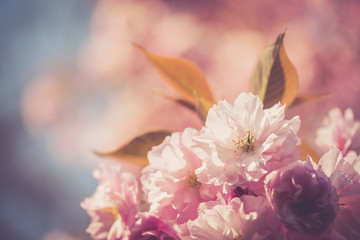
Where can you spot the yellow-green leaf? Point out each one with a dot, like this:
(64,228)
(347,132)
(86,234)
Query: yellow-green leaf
(135,151)
(181,74)
(275,78)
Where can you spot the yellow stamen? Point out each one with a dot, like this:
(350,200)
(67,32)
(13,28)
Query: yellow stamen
(246,144)
(193,182)
(240,237)
(112,210)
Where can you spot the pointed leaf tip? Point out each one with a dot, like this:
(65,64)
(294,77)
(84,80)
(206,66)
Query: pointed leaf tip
(275,78)
(307,150)
(309,98)
(202,107)
(135,151)
(182,102)
(182,75)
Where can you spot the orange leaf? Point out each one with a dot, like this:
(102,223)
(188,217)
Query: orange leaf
(136,150)
(181,74)
(275,78)
(202,107)
(308,98)
(307,149)
(177,100)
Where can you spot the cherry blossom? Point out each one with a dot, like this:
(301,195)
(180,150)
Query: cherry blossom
(247,217)
(244,141)
(344,173)
(338,131)
(170,183)
(114,204)
(304,199)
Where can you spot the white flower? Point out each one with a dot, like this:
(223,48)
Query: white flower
(243,142)
(247,217)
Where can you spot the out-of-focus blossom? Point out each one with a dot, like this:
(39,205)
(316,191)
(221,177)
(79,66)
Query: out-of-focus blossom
(107,55)
(46,98)
(344,173)
(247,217)
(50,108)
(339,131)
(114,204)
(245,141)
(304,199)
(170,183)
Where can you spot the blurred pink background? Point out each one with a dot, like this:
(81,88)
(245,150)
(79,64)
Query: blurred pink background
(72,83)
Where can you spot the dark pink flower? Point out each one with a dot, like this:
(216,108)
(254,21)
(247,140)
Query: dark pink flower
(304,200)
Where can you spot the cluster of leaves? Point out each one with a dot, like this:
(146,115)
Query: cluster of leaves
(274,80)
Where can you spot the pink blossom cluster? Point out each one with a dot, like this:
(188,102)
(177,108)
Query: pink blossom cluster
(239,177)
(340,131)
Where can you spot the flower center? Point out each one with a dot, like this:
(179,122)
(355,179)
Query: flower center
(246,143)
(112,210)
(239,191)
(193,182)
